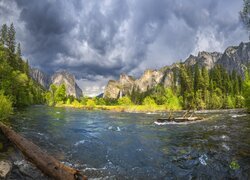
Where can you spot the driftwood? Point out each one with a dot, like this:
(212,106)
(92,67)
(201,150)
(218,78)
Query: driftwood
(46,163)
(179,119)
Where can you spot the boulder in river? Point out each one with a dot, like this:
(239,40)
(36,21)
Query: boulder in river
(5,168)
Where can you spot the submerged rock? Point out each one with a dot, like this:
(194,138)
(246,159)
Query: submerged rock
(5,168)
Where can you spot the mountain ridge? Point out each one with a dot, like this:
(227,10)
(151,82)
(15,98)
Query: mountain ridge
(233,58)
(58,78)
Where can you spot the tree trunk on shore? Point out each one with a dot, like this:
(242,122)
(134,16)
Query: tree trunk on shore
(46,163)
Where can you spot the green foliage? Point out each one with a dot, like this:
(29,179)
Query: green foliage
(158,94)
(216,101)
(57,95)
(234,165)
(230,103)
(99,101)
(5,106)
(172,102)
(76,103)
(4,32)
(149,102)
(197,88)
(91,103)
(125,101)
(14,74)
(84,100)
(246,87)
(239,101)
(60,94)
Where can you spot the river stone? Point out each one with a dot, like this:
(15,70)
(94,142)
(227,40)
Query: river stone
(5,168)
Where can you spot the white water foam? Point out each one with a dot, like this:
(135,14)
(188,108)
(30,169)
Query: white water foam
(225,146)
(238,115)
(79,142)
(151,113)
(224,137)
(203,158)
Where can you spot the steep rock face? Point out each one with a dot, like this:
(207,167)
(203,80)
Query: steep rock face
(112,90)
(149,79)
(204,59)
(236,58)
(68,79)
(126,83)
(57,79)
(40,77)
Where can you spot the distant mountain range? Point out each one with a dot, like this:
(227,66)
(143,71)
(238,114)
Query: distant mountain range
(58,78)
(234,58)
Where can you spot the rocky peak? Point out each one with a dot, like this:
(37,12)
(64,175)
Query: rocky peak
(64,77)
(207,59)
(40,77)
(124,79)
(112,90)
(234,58)
(58,78)
(149,79)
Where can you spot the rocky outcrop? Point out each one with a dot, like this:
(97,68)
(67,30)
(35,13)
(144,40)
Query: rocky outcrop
(204,59)
(125,84)
(62,77)
(40,77)
(234,58)
(149,79)
(5,168)
(112,90)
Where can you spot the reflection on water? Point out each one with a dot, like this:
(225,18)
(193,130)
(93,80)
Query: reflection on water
(126,145)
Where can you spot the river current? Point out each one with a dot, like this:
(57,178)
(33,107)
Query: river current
(113,145)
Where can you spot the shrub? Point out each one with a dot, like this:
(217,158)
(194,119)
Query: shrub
(90,103)
(75,103)
(172,102)
(5,106)
(125,101)
(149,102)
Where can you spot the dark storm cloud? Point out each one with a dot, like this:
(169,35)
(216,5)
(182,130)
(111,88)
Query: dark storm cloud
(99,39)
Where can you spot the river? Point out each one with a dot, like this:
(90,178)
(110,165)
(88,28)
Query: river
(113,145)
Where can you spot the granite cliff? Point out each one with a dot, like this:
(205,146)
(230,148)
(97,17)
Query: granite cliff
(233,58)
(61,77)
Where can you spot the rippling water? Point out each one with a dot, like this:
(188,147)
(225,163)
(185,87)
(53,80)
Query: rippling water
(131,146)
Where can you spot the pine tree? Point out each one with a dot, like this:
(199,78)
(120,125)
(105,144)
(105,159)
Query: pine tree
(4,32)
(11,39)
(19,52)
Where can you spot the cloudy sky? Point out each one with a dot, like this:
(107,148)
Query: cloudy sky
(97,40)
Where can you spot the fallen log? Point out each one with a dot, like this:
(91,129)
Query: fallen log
(179,119)
(46,163)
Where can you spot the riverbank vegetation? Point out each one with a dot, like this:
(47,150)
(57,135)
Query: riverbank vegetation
(16,87)
(194,88)
(247,90)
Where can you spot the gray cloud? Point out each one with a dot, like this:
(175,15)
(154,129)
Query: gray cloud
(98,40)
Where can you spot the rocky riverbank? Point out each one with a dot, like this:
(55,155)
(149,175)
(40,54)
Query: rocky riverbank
(13,165)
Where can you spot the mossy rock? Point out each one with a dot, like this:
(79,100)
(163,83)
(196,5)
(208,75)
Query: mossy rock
(234,165)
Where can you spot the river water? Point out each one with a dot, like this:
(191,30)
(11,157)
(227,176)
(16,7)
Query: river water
(111,145)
